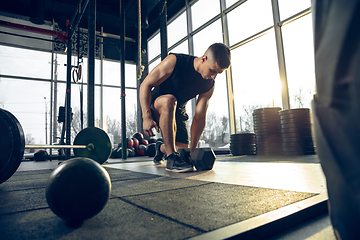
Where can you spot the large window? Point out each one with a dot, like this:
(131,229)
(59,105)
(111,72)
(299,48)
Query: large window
(154,46)
(206,37)
(254,74)
(29,99)
(289,8)
(25,63)
(256,79)
(176,30)
(299,57)
(203,11)
(248,19)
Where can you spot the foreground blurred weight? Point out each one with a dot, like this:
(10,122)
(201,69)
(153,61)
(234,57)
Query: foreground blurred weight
(12,145)
(78,190)
(202,158)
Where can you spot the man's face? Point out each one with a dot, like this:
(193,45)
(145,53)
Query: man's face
(210,69)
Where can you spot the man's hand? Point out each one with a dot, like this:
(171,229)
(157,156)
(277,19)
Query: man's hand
(148,125)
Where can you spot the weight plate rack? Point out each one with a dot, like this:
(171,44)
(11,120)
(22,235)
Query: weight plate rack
(267,131)
(242,144)
(296,132)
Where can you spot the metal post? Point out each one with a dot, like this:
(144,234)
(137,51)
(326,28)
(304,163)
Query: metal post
(229,83)
(45,122)
(122,69)
(190,44)
(281,56)
(163,28)
(101,79)
(91,63)
(68,96)
(52,89)
(55,102)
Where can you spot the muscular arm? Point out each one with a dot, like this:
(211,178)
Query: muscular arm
(158,75)
(199,120)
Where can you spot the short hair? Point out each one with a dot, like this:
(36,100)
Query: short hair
(221,54)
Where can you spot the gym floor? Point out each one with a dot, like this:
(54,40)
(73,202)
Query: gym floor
(249,197)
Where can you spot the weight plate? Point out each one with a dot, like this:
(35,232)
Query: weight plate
(297,111)
(257,123)
(296,130)
(266,118)
(298,135)
(305,122)
(241,149)
(267,128)
(302,140)
(295,125)
(265,135)
(242,144)
(100,141)
(294,117)
(243,136)
(297,144)
(12,145)
(268,109)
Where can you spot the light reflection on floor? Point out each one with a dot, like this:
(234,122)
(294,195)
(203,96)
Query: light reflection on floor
(286,176)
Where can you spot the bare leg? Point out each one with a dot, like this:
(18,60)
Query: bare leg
(165,106)
(178,145)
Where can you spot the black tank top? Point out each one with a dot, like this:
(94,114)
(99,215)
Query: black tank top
(184,83)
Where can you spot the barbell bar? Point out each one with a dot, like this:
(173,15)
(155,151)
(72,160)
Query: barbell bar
(89,146)
(90,142)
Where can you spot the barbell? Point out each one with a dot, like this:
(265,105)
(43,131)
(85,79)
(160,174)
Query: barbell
(90,142)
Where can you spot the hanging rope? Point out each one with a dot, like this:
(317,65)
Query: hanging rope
(140,68)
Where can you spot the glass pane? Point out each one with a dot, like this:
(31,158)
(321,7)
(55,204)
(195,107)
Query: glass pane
(248,19)
(299,57)
(202,40)
(154,47)
(182,48)
(204,10)
(25,63)
(256,79)
(177,29)
(289,8)
(154,64)
(217,129)
(112,112)
(28,101)
(229,3)
(62,69)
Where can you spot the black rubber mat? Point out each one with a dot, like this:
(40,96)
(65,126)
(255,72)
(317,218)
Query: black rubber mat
(142,206)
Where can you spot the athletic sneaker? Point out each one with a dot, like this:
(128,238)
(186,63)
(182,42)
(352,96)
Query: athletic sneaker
(159,156)
(175,164)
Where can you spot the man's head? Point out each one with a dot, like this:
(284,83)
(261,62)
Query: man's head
(216,59)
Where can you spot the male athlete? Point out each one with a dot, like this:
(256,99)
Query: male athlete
(164,94)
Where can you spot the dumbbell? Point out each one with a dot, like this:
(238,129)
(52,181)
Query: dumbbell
(202,158)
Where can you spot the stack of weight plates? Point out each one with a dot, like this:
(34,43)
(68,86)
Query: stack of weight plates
(267,131)
(242,144)
(296,132)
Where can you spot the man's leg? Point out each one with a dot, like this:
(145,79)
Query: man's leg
(164,108)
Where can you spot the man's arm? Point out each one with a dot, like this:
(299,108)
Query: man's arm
(158,75)
(199,120)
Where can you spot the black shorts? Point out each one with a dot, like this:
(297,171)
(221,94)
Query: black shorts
(181,117)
